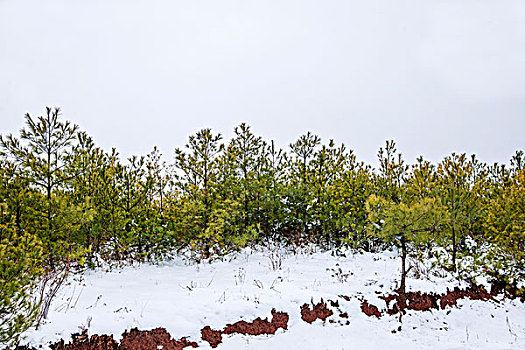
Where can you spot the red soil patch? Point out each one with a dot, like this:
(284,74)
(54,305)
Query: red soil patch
(257,327)
(134,340)
(421,301)
(475,293)
(370,310)
(82,342)
(412,301)
(146,340)
(451,298)
(426,301)
(211,336)
(318,311)
(160,338)
(499,285)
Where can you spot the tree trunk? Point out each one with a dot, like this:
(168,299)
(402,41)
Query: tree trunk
(50,229)
(18,219)
(402,287)
(453,249)
(245,190)
(206,204)
(205,196)
(304,204)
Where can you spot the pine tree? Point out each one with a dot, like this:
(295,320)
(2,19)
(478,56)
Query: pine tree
(83,218)
(504,224)
(199,168)
(298,182)
(20,262)
(392,172)
(158,176)
(406,224)
(41,151)
(245,155)
(456,196)
(273,184)
(327,168)
(110,220)
(350,193)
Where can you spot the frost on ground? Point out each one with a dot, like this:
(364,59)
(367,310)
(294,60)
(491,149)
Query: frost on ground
(184,297)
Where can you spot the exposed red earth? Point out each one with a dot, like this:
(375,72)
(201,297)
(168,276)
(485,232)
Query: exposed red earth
(257,327)
(213,337)
(159,338)
(511,291)
(475,293)
(426,301)
(82,342)
(370,310)
(154,339)
(319,311)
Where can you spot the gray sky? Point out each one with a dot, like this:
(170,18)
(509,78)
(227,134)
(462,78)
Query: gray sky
(437,76)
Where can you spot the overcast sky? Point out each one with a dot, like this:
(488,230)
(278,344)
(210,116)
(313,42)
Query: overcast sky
(437,76)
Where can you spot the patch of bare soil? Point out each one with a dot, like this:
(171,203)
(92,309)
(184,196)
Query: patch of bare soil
(499,285)
(318,311)
(256,327)
(426,301)
(159,338)
(396,303)
(370,310)
(132,340)
(154,339)
(213,337)
(475,293)
(81,341)
(411,300)
(259,326)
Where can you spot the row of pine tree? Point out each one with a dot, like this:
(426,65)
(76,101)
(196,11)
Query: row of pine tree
(65,201)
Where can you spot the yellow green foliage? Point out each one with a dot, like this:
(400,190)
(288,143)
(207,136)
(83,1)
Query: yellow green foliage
(505,228)
(19,269)
(416,221)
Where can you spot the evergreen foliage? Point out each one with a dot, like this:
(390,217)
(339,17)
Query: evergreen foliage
(20,257)
(68,199)
(505,227)
(408,224)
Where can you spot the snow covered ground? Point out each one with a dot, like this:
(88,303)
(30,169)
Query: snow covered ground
(183,297)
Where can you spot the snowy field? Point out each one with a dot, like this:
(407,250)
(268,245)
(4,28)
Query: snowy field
(183,297)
